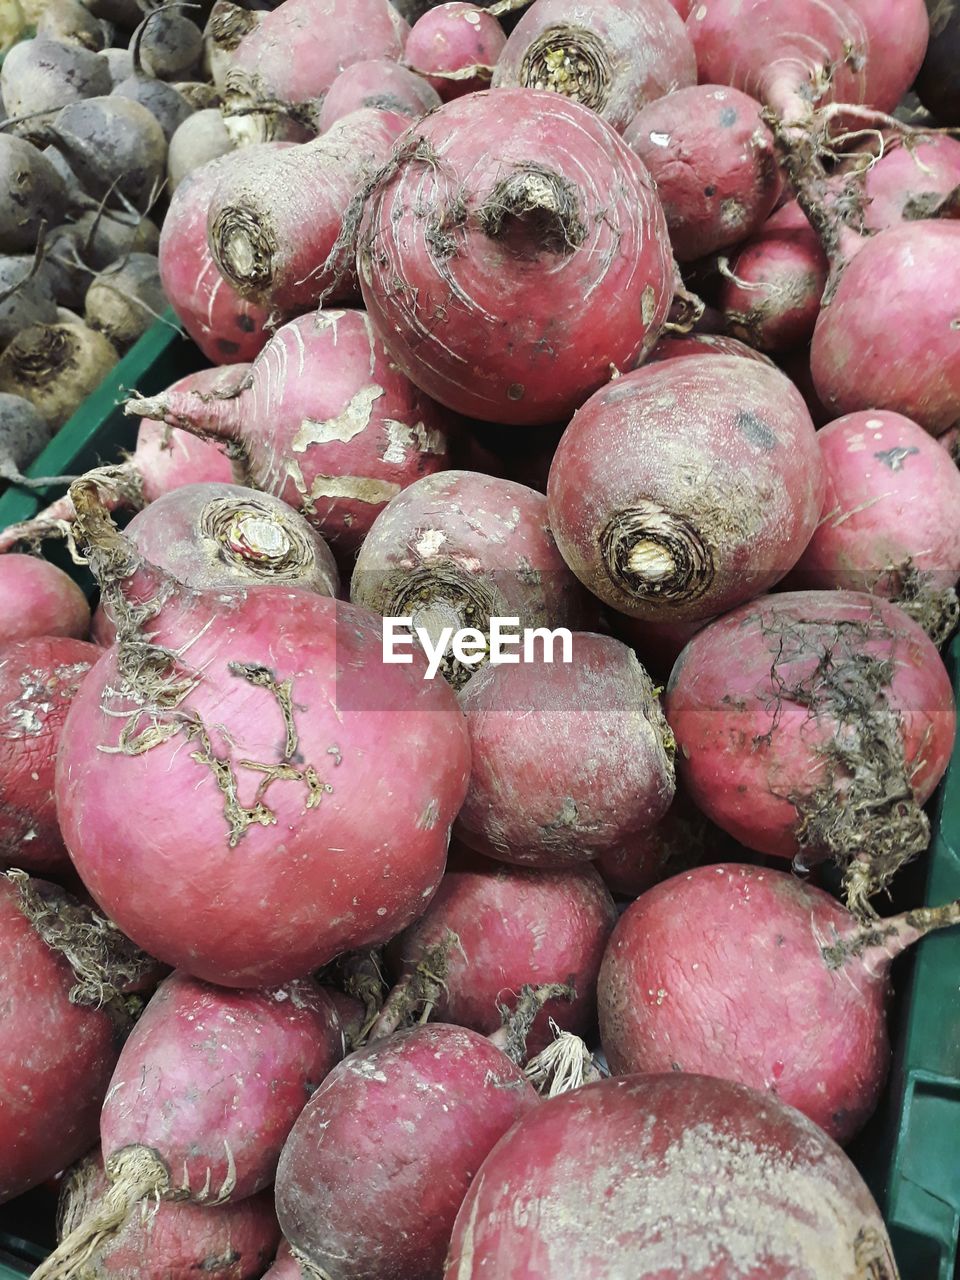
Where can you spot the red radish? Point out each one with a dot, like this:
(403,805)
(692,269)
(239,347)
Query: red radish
(458,549)
(172,1240)
(205,1092)
(713,160)
(38,599)
(614,56)
(685,488)
(405,1123)
(540,261)
(771,292)
(337,776)
(679,989)
(450,42)
(226,327)
(911,181)
(381,84)
(296,53)
(663,1177)
(512,926)
(679,346)
(814,724)
(274,216)
(898,32)
(570,757)
(220,536)
(682,838)
(38,679)
(324,421)
(889,523)
(63,969)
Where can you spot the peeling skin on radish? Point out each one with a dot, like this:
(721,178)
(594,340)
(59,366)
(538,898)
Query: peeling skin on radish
(454,38)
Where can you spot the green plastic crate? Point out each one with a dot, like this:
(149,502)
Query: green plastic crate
(910,1152)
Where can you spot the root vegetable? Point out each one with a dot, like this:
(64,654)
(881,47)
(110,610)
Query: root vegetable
(378,84)
(116,148)
(206,1089)
(511,926)
(911,181)
(23,433)
(173,1240)
(120,62)
(813,725)
(452,40)
(108,235)
(289,717)
(38,599)
(713,160)
(569,758)
(688,1177)
(70,22)
(39,77)
(614,56)
(38,678)
(815,1034)
(458,549)
(687,487)
(124,302)
(275,215)
(202,137)
(439,1098)
(337,434)
(502,250)
(678,346)
(35,193)
(169,43)
(55,367)
(226,26)
(26,297)
(63,969)
(162,100)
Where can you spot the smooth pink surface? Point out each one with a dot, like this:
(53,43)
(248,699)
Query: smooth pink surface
(167,458)
(452,37)
(381,84)
(38,599)
(679,346)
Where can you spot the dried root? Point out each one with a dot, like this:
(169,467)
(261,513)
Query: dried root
(565,1064)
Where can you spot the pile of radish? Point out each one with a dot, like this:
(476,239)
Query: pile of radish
(460,829)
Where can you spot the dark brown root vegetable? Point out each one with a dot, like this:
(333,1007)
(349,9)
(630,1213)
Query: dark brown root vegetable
(202,137)
(39,77)
(55,367)
(71,22)
(26,298)
(123,302)
(107,235)
(169,44)
(115,147)
(161,99)
(33,194)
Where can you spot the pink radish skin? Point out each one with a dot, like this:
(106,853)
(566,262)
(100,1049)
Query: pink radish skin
(682,489)
(513,926)
(274,216)
(460,548)
(406,1121)
(228,329)
(173,1241)
(713,160)
(899,31)
(815,723)
(380,84)
(518,243)
(569,758)
(910,180)
(682,838)
(341,866)
(890,338)
(678,989)
(325,421)
(57,1054)
(455,37)
(38,599)
(38,679)
(679,346)
(618,55)
(771,298)
(680,1178)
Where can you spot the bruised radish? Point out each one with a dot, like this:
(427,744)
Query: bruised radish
(502,246)
(689,1177)
(678,989)
(336,774)
(122,303)
(456,46)
(63,969)
(55,367)
(205,1092)
(380,84)
(226,327)
(323,420)
(275,215)
(38,599)
(38,679)
(437,1098)
(172,1240)
(460,549)
(614,56)
(713,160)
(41,194)
(686,487)
(495,929)
(911,181)
(571,755)
(813,725)
(40,77)
(889,523)
(682,838)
